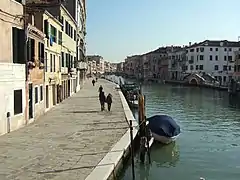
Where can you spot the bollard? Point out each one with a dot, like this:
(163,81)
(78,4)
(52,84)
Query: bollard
(8,122)
(132,151)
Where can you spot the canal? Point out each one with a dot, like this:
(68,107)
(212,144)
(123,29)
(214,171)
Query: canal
(209,145)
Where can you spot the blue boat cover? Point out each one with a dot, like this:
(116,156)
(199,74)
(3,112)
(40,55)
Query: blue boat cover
(163,125)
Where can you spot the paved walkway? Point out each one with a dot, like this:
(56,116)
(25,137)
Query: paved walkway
(67,142)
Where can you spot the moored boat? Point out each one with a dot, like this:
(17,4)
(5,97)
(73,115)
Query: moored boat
(164,128)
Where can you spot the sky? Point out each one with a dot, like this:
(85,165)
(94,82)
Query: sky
(120,28)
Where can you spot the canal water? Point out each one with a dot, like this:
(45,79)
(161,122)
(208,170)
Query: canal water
(209,145)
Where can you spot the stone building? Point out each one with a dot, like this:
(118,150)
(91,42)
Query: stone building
(35,90)
(12,67)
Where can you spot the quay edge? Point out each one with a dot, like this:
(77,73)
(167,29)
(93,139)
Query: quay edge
(110,166)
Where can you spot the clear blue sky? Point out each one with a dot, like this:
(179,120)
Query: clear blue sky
(118,28)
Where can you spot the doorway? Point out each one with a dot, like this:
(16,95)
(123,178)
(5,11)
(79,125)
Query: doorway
(69,87)
(54,94)
(30,101)
(47,97)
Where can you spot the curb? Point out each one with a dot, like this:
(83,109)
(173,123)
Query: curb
(109,166)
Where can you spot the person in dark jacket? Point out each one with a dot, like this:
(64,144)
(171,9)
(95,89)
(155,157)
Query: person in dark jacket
(102,100)
(109,101)
(93,82)
(100,89)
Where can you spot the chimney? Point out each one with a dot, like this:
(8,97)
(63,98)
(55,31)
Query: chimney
(190,43)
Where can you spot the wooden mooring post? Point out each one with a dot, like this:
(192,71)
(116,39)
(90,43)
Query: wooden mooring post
(143,128)
(132,150)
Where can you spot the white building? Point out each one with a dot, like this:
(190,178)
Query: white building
(12,67)
(215,58)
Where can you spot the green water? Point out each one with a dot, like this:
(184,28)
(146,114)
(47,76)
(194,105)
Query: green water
(209,145)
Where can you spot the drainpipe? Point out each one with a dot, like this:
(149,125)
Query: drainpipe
(25,27)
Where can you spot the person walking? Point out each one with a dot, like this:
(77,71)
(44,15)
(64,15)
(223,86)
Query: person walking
(109,101)
(100,89)
(102,100)
(93,82)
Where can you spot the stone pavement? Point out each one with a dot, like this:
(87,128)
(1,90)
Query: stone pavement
(67,142)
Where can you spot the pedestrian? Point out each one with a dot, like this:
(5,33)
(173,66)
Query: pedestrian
(102,100)
(96,79)
(109,101)
(100,89)
(93,82)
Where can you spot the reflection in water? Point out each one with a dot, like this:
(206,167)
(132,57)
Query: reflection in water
(210,138)
(165,155)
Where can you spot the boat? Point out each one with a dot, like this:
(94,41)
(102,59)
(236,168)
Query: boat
(163,128)
(134,103)
(130,91)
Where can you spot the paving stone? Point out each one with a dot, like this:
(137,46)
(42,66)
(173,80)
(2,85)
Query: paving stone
(67,142)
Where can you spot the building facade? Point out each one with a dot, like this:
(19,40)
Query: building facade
(77,9)
(177,63)
(35,90)
(99,63)
(51,27)
(215,58)
(12,67)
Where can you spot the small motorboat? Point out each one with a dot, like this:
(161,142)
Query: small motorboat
(163,128)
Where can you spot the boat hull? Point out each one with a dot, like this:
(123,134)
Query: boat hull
(164,139)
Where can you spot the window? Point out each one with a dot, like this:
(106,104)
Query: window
(224,68)
(54,63)
(229,68)
(216,49)
(225,58)
(41,52)
(191,50)
(53,34)
(210,57)
(229,58)
(225,49)
(31,50)
(75,35)
(191,67)
(196,67)
(201,57)
(60,37)
(202,49)
(224,78)
(46,61)
(210,49)
(36,95)
(216,67)
(51,63)
(18,37)
(41,93)
(230,49)
(46,28)
(216,58)
(201,67)
(197,49)
(18,102)
(63,60)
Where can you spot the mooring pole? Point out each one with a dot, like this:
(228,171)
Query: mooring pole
(132,150)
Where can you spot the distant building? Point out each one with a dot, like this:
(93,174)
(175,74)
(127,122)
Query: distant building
(119,67)
(177,63)
(215,58)
(99,63)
